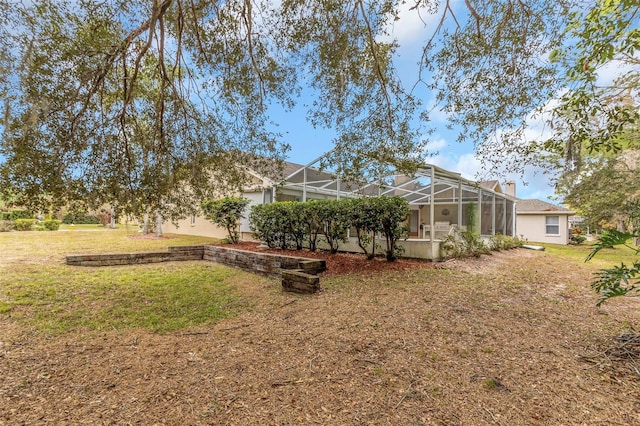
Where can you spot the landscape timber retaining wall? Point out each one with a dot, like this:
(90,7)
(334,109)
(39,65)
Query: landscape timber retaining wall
(301,273)
(268,264)
(174,253)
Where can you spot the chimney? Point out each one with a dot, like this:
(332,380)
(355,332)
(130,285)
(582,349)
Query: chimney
(400,181)
(510,188)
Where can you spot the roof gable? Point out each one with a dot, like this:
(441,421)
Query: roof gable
(492,185)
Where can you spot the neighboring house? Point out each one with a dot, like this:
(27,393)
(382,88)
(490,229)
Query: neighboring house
(542,222)
(440,201)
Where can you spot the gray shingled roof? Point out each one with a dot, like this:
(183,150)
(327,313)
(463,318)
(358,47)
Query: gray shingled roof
(539,206)
(290,168)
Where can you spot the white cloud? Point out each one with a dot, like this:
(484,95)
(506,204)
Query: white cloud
(609,72)
(411,24)
(436,144)
(466,164)
(469,167)
(415,25)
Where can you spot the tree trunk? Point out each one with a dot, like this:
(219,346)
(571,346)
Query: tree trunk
(145,229)
(112,223)
(158,224)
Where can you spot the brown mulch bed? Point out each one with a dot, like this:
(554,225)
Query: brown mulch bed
(340,263)
(508,339)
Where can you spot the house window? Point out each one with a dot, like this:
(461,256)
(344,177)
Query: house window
(267,196)
(553,225)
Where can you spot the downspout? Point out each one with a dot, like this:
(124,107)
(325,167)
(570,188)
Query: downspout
(304,185)
(514,222)
(459,202)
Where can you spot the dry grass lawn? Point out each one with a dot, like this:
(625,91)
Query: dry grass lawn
(508,339)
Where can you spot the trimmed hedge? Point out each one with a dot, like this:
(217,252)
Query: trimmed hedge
(16,214)
(20,214)
(6,226)
(292,223)
(80,219)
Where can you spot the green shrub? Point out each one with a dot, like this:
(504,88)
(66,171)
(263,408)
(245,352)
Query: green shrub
(334,216)
(503,242)
(5,216)
(20,214)
(578,239)
(266,222)
(6,225)
(295,222)
(23,224)
(451,248)
(226,213)
(51,224)
(365,220)
(313,224)
(474,244)
(467,244)
(576,236)
(464,244)
(392,212)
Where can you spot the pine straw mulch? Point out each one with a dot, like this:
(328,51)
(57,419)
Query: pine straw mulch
(499,340)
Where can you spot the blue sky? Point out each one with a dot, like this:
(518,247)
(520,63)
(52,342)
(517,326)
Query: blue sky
(411,31)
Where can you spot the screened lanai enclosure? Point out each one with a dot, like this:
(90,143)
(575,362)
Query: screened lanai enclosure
(441,202)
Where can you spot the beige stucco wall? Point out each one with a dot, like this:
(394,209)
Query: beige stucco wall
(201,227)
(533,228)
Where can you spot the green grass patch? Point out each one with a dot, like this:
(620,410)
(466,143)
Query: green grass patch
(40,291)
(605,258)
(160,298)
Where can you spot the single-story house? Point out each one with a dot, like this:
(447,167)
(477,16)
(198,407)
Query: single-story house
(440,202)
(542,222)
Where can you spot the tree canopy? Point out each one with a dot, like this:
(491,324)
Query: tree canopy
(606,187)
(144,104)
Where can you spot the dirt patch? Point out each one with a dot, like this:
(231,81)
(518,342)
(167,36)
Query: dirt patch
(499,340)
